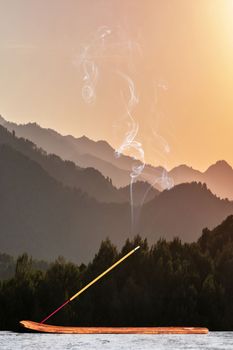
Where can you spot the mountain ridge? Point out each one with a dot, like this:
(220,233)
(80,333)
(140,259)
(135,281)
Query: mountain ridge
(101,156)
(45,218)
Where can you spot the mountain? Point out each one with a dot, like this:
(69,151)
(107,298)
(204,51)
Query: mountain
(48,206)
(41,216)
(184,173)
(88,180)
(143,192)
(183,211)
(101,156)
(47,139)
(218,177)
(84,152)
(119,177)
(219,238)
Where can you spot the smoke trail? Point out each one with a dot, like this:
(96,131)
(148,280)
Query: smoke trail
(130,143)
(89,67)
(162,149)
(89,61)
(165,181)
(115,46)
(90,80)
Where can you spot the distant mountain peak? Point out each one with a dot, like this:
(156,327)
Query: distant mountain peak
(220,165)
(105,144)
(84,138)
(100,155)
(184,167)
(190,186)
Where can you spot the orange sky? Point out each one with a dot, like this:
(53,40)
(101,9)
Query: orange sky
(178,55)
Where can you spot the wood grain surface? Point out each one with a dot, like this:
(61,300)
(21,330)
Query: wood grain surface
(45,328)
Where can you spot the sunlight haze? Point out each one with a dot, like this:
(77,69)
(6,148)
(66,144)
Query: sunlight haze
(177,53)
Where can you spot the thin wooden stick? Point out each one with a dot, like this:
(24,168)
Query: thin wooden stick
(90,284)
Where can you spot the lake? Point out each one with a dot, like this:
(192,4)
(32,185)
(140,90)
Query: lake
(30,341)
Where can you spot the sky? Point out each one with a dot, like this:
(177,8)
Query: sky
(152,77)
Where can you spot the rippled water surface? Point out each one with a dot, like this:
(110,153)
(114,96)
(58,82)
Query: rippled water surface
(18,341)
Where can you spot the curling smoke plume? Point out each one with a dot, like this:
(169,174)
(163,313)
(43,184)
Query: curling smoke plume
(111,45)
(130,143)
(90,69)
(99,48)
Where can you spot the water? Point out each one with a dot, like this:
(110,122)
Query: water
(22,341)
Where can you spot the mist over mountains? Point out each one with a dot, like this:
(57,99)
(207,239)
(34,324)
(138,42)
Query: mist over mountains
(43,217)
(50,206)
(99,155)
(89,180)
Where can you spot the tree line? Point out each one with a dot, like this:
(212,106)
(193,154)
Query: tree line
(166,284)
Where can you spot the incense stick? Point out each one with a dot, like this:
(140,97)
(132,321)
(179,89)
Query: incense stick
(91,283)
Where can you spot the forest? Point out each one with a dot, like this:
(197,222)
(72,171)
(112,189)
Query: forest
(165,284)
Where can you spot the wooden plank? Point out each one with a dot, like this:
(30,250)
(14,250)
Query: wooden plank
(45,328)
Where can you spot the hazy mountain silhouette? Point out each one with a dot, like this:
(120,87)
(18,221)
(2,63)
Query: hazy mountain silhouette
(41,216)
(120,177)
(47,139)
(184,173)
(218,177)
(142,192)
(89,180)
(44,209)
(84,152)
(183,211)
(101,156)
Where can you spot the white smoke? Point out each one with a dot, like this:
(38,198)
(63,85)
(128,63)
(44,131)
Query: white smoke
(114,46)
(87,61)
(159,146)
(130,143)
(162,147)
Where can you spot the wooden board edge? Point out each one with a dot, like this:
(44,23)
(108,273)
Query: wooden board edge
(45,328)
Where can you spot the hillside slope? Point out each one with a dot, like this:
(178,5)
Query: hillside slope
(101,156)
(183,211)
(40,216)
